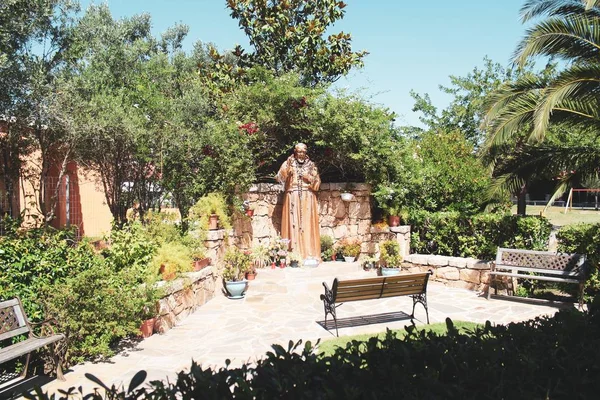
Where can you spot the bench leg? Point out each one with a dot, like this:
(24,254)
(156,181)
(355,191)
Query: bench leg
(330,309)
(24,375)
(420,298)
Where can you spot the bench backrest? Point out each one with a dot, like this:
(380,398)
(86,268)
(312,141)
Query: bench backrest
(375,288)
(13,321)
(573,264)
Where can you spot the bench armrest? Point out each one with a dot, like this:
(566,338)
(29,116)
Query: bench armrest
(328,295)
(47,328)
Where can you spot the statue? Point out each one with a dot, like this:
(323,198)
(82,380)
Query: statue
(300,216)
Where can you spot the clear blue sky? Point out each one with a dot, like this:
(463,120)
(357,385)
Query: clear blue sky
(412,44)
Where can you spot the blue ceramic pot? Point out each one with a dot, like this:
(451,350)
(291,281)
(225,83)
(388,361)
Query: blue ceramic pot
(389,271)
(236,289)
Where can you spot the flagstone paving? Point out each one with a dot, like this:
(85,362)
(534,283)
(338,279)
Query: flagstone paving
(283,305)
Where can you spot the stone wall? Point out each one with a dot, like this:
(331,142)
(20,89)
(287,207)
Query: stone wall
(467,273)
(338,219)
(183,296)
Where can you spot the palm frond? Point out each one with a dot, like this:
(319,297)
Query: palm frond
(538,8)
(575,37)
(571,91)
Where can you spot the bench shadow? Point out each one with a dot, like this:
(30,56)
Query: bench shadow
(568,303)
(362,320)
(15,388)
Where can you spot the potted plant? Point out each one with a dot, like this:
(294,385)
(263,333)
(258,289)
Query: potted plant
(390,257)
(172,258)
(396,215)
(210,212)
(248,208)
(149,311)
(346,194)
(369,263)
(350,249)
(237,263)
(327,248)
(278,250)
(260,256)
(295,259)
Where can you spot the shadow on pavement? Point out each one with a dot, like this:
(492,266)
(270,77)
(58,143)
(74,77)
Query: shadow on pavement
(349,322)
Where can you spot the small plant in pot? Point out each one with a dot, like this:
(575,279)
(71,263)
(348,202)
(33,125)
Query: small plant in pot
(149,312)
(210,212)
(390,257)
(295,259)
(327,251)
(350,249)
(237,263)
(369,263)
(260,256)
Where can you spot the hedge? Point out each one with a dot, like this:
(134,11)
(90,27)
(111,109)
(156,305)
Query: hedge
(545,358)
(461,235)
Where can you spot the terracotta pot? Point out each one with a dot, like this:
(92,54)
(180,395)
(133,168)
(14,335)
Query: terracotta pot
(203,263)
(147,328)
(333,257)
(250,276)
(394,220)
(250,213)
(213,222)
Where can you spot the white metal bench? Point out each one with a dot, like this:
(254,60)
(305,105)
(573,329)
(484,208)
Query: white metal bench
(539,265)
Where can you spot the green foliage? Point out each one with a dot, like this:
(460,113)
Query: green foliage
(349,247)
(174,257)
(237,263)
(548,357)
(390,254)
(212,203)
(459,235)
(31,260)
(290,36)
(130,249)
(96,308)
(326,247)
(583,239)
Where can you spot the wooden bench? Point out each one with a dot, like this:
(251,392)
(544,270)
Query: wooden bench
(14,322)
(414,285)
(545,266)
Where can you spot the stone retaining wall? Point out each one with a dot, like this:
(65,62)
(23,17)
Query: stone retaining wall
(467,273)
(338,219)
(183,296)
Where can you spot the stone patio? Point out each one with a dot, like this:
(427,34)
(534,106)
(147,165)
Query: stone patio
(283,305)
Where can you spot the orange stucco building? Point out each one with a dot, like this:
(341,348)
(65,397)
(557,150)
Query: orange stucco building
(80,200)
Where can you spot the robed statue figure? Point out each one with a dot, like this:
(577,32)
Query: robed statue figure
(300,216)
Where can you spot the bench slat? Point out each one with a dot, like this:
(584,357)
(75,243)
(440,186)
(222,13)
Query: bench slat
(537,277)
(14,332)
(19,349)
(571,273)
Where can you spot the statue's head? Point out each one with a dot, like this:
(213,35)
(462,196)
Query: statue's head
(300,152)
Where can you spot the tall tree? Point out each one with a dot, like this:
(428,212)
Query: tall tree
(289,35)
(36,46)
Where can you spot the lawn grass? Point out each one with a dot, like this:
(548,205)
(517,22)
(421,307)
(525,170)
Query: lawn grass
(557,216)
(327,347)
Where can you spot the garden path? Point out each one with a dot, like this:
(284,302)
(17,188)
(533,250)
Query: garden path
(283,305)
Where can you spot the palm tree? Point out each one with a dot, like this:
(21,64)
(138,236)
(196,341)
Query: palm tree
(522,112)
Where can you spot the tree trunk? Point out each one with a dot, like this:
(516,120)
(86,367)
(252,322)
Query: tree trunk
(522,201)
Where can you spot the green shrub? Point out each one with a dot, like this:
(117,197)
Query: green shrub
(130,248)
(455,234)
(96,308)
(583,239)
(174,256)
(31,260)
(545,358)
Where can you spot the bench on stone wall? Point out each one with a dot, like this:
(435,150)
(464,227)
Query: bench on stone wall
(539,265)
(414,285)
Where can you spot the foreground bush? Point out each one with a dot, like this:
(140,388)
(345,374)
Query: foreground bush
(460,235)
(546,358)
